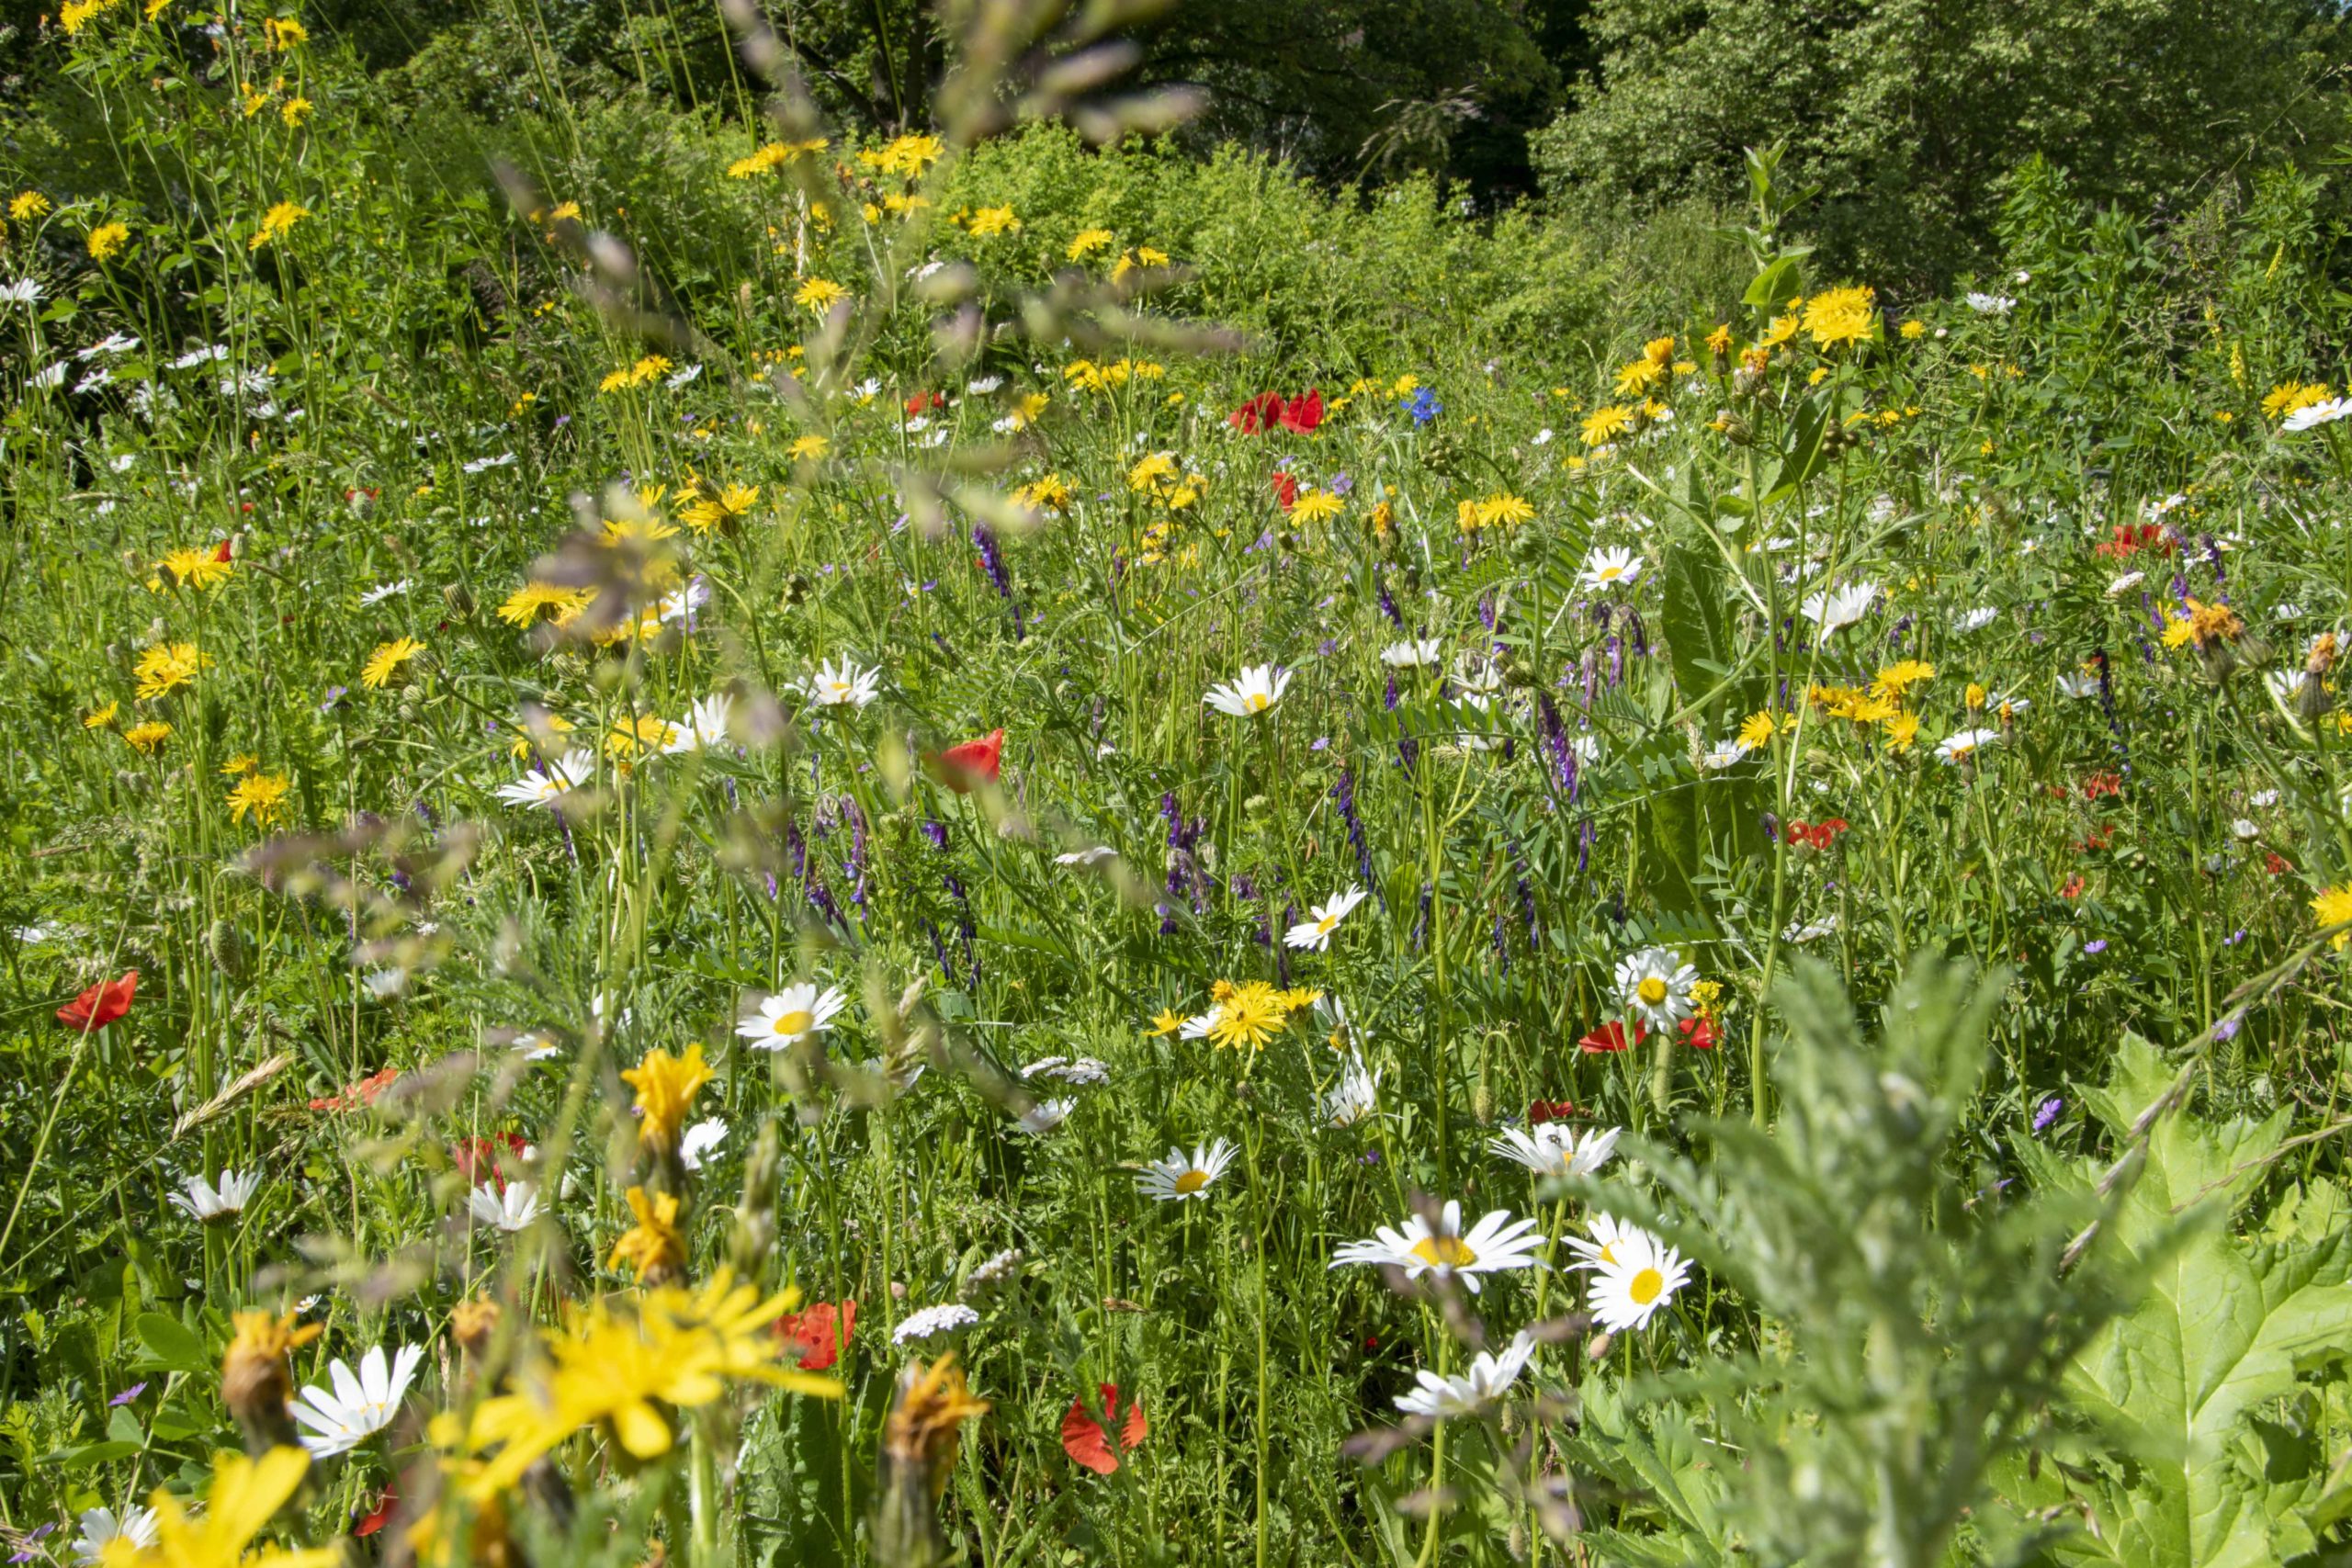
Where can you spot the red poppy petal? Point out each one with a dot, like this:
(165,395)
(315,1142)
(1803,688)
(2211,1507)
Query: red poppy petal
(1132,1434)
(1083,1439)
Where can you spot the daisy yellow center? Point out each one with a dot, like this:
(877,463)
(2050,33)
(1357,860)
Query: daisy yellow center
(1611,573)
(1191,1181)
(1646,1287)
(1608,1254)
(1652,990)
(1445,1252)
(1256,701)
(796,1022)
(1323,927)
(841,688)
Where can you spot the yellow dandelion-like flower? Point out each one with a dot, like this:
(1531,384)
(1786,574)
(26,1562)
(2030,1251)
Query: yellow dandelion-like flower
(653,1247)
(168,666)
(1607,423)
(387,660)
(2332,907)
(198,568)
(666,1087)
(276,223)
(148,739)
(819,295)
(100,718)
(28,205)
(1841,316)
(1316,506)
(1087,242)
(107,240)
(808,448)
(263,795)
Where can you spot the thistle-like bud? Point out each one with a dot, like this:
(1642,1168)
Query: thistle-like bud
(474,1325)
(224,944)
(919,1445)
(256,1382)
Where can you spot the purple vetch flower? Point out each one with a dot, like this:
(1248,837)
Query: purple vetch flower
(2228,1028)
(1388,606)
(2097,946)
(126,1395)
(2047,1113)
(937,833)
(1343,796)
(1340,484)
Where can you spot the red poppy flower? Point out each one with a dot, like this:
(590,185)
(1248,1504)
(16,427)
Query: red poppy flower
(924,402)
(471,1156)
(1285,490)
(2074,888)
(100,1005)
(220,551)
(1302,415)
(974,762)
(1087,1443)
(1542,1110)
(382,1514)
(1699,1034)
(1258,414)
(2277,864)
(1610,1036)
(819,1333)
(363,1093)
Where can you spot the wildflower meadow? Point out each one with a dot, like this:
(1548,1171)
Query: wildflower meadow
(743,837)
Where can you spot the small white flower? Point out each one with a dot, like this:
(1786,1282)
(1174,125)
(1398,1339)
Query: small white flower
(700,1141)
(686,377)
(1046,1115)
(2263,799)
(1489,1378)
(382,591)
(1257,688)
(1960,748)
(933,1320)
(549,784)
(2078,686)
(101,1529)
(1001,1269)
(705,725)
(1991,304)
(1496,1242)
(1082,1072)
(47,376)
(841,685)
(791,1014)
(1552,1148)
(209,1204)
(1314,932)
(1179,1178)
(1975,620)
(509,1211)
(2288,612)
(984,386)
(1613,567)
(1842,607)
(1094,856)
(360,1407)
(1424,653)
(24,291)
(2125,584)
(2327,411)
(1629,1290)
(1355,1098)
(1654,986)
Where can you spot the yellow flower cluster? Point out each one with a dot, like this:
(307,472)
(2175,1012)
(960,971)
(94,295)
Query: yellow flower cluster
(774,156)
(653,368)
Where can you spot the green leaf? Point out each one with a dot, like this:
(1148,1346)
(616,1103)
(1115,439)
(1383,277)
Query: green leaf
(2225,1322)
(1807,447)
(97,1453)
(1775,285)
(172,1343)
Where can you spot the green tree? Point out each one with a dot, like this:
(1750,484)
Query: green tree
(1908,113)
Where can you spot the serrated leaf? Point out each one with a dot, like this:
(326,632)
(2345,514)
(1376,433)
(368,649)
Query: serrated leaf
(2219,1335)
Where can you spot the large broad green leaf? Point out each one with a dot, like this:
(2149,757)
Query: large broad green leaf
(1674,1518)
(1697,621)
(2184,1384)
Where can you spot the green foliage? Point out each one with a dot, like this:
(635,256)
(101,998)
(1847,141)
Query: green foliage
(1914,1321)
(1908,113)
(2195,1389)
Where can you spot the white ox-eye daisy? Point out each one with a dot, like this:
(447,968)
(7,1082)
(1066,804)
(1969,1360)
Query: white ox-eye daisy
(547,785)
(1655,986)
(1612,568)
(1496,1242)
(791,1014)
(1256,689)
(1552,1148)
(1629,1290)
(1179,1177)
(1960,748)
(209,1204)
(705,725)
(509,1209)
(101,1529)
(1315,930)
(1489,1378)
(1355,1098)
(841,685)
(360,1406)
